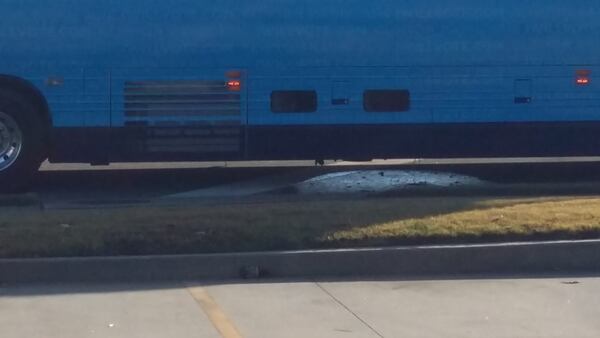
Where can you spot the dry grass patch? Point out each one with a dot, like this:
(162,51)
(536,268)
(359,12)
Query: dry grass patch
(291,225)
(489,219)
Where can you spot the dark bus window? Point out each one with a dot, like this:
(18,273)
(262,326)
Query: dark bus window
(381,101)
(294,101)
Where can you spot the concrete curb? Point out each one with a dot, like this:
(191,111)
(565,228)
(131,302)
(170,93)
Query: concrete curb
(456,260)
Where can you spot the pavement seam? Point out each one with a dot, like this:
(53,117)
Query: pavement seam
(215,314)
(320,286)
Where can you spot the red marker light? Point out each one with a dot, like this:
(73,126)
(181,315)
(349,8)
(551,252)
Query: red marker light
(234,85)
(583,81)
(583,77)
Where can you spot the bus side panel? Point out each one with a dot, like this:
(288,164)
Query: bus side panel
(461,60)
(454,111)
(518,139)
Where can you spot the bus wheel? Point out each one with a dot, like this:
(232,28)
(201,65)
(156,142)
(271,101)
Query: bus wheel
(22,141)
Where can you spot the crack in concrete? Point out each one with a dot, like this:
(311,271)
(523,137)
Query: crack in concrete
(320,286)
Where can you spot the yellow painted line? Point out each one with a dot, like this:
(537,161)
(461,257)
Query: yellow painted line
(215,314)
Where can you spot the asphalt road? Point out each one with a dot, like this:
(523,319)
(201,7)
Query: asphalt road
(551,307)
(82,185)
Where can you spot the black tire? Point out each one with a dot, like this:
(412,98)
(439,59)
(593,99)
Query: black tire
(19,175)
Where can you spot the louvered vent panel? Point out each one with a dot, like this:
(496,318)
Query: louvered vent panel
(201,117)
(189,139)
(180,98)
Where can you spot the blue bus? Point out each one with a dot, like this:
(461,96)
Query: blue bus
(101,81)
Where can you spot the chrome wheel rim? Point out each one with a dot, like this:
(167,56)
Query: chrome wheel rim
(11,141)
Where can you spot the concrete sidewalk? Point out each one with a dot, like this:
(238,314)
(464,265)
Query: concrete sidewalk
(557,307)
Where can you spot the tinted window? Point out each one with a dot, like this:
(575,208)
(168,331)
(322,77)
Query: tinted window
(295,101)
(387,100)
